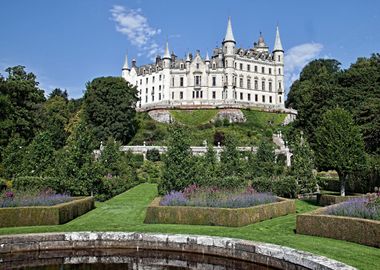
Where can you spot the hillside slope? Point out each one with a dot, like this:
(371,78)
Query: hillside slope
(259,125)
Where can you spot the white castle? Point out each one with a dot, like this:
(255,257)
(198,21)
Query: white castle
(231,78)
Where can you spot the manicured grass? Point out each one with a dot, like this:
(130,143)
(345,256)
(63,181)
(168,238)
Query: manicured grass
(193,117)
(126,212)
(259,125)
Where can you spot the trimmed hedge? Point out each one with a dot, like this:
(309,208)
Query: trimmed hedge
(358,230)
(328,199)
(45,215)
(230,217)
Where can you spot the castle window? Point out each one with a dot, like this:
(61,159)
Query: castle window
(152,97)
(146,80)
(159,96)
(256,85)
(279,99)
(181,95)
(270,86)
(153,90)
(181,81)
(234,81)
(241,82)
(279,71)
(270,71)
(193,94)
(249,67)
(279,85)
(255,68)
(213,66)
(226,63)
(270,99)
(197,66)
(279,58)
(263,99)
(173,81)
(263,85)
(159,77)
(256,98)
(214,81)
(153,79)
(146,90)
(241,96)
(201,94)
(235,65)
(181,66)
(159,88)
(146,99)
(241,66)
(172,95)
(140,81)
(197,80)
(213,94)
(249,83)
(262,69)
(249,97)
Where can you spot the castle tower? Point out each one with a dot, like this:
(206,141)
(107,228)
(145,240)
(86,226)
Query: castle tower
(167,57)
(278,55)
(125,70)
(229,44)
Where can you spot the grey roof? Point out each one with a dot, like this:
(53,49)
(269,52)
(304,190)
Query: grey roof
(229,35)
(277,42)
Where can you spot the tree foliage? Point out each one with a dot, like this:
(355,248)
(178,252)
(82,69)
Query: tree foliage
(109,108)
(340,144)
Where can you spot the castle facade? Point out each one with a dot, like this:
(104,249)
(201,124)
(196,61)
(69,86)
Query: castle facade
(231,77)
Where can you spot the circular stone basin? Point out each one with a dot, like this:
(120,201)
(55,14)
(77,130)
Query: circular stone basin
(118,250)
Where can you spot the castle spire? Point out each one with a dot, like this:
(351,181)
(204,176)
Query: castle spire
(277,42)
(126,66)
(167,54)
(207,58)
(229,35)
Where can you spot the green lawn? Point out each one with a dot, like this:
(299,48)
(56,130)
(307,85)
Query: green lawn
(193,117)
(126,212)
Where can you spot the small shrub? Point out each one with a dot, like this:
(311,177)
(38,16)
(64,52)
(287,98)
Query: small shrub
(219,137)
(153,155)
(36,183)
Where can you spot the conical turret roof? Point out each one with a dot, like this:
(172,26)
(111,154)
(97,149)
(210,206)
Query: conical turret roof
(277,42)
(229,34)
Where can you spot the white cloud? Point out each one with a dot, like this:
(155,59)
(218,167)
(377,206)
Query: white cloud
(135,26)
(297,57)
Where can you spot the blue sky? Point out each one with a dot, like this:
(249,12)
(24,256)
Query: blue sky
(68,43)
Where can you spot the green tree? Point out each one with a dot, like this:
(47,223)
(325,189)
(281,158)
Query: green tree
(13,155)
(57,92)
(178,162)
(303,165)
(266,159)
(109,108)
(207,168)
(20,99)
(340,144)
(230,163)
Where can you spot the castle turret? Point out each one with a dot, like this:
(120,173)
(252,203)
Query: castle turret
(167,57)
(229,59)
(125,69)
(278,57)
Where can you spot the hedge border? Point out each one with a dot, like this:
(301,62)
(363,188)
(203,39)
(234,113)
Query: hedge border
(13,246)
(358,230)
(230,217)
(45,215)
(329,199)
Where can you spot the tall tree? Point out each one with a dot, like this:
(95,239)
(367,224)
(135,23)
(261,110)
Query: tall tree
(20,99)
(178,162)
(340,145)
(109,108)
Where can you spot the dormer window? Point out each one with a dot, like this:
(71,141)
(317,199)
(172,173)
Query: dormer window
(213,66)
(197,65)
(181,66)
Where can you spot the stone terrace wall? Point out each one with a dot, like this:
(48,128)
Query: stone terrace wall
(266,254)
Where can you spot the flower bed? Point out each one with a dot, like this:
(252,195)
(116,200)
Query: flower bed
(356,220)
(212,197)
(329,199)
(214,207)
(45,215)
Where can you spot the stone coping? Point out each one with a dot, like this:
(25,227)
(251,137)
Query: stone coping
(262,253)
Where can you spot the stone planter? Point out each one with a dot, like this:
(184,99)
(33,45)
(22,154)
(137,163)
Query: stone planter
(329,199)
(358,230)
(45,215)
(230,217)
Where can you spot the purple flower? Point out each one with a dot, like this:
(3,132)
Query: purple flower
(358,207)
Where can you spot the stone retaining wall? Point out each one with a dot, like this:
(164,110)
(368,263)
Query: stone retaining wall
(45,215)
(329,199)
(231,217)
(266,254)
(358,230)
